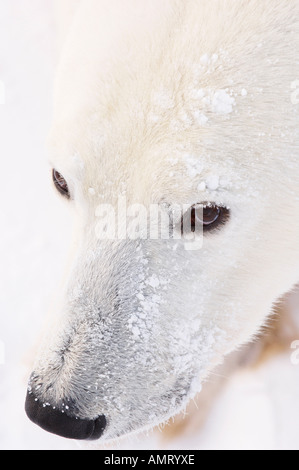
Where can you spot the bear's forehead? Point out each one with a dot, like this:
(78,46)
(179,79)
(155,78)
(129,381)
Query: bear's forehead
(158,113)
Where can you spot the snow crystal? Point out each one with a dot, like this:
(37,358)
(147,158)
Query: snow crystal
(186,119)
(200,118)
(91,191)
(153,281)
(193,165)
(201,186)
(163,100)
(135,331)
(205,58)
(212,182)
(222,102)
(172,161)
(197,93)
(244,92)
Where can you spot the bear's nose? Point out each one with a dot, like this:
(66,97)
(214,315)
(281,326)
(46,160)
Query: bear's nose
(58,422)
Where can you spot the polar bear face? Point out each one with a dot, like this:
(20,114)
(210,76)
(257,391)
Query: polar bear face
(196,136)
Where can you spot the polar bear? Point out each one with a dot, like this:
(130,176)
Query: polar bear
(160,104)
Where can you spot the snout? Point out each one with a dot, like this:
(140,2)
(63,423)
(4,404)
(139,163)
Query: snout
(58,422)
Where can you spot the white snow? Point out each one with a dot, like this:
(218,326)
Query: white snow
(222,102)
(193,165)
(204,60)
(91,191)
(153,281)
(162,100)
(207,60)
(201,186)
(257,409)
(200,118)
(212,182)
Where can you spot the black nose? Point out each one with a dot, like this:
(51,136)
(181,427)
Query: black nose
(57,422)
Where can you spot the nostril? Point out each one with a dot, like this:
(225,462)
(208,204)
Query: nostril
(55,421)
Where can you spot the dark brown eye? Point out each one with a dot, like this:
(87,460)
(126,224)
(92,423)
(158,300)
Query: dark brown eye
(209,216)
(60,184)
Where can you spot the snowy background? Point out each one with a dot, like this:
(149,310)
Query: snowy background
(258,408)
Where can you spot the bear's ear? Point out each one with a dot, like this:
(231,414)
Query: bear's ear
(60,184)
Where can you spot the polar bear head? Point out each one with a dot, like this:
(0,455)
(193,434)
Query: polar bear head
(161,117)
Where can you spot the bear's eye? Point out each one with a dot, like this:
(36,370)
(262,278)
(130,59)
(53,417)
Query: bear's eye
(60,184)
(209,216)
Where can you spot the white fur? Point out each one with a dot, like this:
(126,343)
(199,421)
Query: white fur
(172,101)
